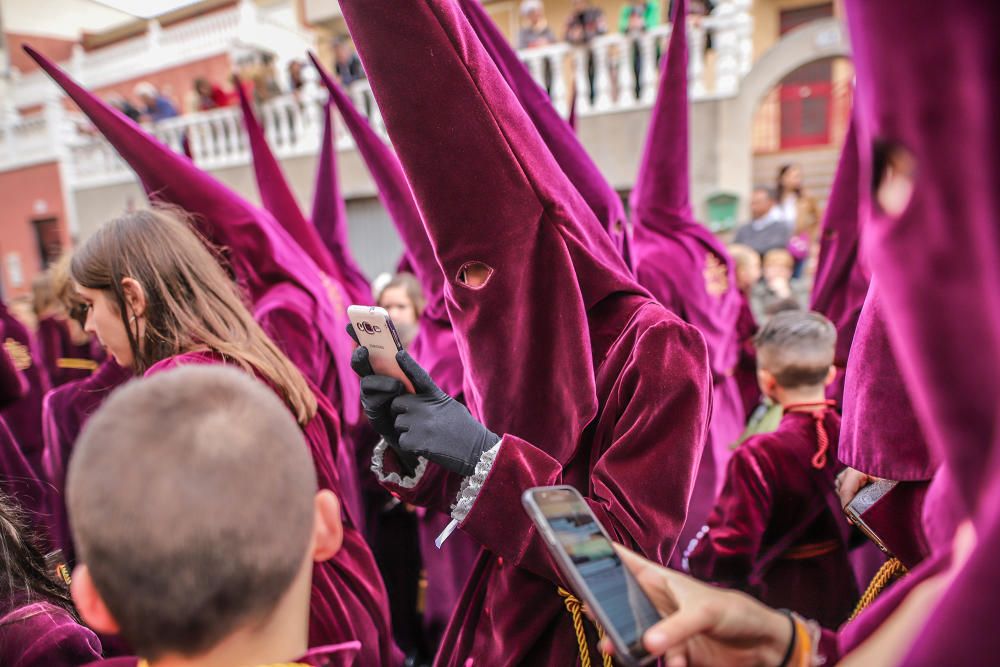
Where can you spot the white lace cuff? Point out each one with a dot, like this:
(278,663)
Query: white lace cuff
(471,485)
(394,477)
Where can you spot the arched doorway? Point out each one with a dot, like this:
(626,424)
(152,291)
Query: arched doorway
(803,119)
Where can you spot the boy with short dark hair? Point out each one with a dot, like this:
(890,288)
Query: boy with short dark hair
(194,506)
(777,530)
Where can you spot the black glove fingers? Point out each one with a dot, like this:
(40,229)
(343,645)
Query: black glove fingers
(375,385)
(353,334)
(360,363)
(422,382)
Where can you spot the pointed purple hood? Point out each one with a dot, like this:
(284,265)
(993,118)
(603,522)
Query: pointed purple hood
(927,80)
(275,193)
(262,253)
(329,217)
(491,195)
(880,434)
(434,347)
(677,258)
(841,281)
(557,133)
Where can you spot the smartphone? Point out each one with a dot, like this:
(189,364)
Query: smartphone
(375,331)
(588,560)
(888,513)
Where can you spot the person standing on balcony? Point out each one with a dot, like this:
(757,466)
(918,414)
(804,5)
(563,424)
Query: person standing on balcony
(638,16)
(535,30)
(584,24)
(635,18)
(346,62)
(800,208)
(208,95)
(156,106)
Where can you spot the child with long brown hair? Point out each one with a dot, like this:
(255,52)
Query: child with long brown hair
(157,298)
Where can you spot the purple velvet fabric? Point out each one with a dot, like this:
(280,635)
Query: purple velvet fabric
(65,410)
(927,75)
(43,635)
(348,601)
(434,348)
(842,278)
(685,267)
(881,435)
(56,348)
(329,217)
(557,133)
(928,82)
(261,252)
(13,384)
(635,465)
(771,490)
(24,417)
(21,483)
(564,354)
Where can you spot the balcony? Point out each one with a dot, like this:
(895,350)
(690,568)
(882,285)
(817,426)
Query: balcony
(625,77)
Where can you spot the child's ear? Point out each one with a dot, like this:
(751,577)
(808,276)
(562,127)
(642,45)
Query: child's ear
(89,603)
(766,382)
(831,375)
(328,531)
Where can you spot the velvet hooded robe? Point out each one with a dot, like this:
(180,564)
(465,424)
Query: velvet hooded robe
(773,490)
(348,600)
(24,416)
(447,569)
(286,286)
(928,73)
(574,404)
(686,268)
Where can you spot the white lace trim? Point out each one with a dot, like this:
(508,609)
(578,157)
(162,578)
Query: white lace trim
(471,485)
(393,477)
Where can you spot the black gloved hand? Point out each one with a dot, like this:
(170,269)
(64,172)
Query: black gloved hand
(432,424)
(377,393)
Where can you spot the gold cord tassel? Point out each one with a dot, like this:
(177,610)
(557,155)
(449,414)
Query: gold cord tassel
(891,570)
(575,609)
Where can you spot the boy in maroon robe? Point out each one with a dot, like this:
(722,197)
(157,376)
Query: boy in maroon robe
(777,530)
(217,522)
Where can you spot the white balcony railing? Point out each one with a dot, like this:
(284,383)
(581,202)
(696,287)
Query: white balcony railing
(222,32)
(26,141)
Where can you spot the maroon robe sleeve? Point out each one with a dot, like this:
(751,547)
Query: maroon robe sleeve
(43,635)
(665,411)
(731,541)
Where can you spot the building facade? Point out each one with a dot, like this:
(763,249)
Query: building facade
(769,83)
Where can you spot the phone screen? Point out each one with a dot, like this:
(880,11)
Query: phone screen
(613,588)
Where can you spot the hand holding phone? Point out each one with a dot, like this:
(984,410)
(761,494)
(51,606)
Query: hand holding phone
(592,566)
(373,329)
